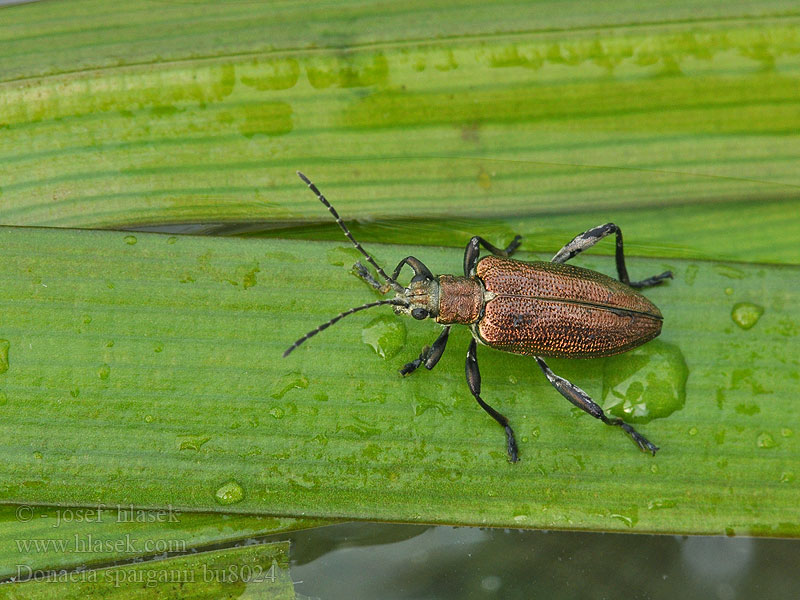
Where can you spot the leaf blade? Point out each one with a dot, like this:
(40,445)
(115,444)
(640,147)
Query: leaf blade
(331,432)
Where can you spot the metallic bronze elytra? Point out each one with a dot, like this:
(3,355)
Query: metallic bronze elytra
(531,308)
(564,310)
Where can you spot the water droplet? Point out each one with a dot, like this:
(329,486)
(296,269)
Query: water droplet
(148,418)
(729,271)
(629,519)
(361,427)
(103,372)
(277,412)
(130,240)
(646,383)
(4,346)
(229,493)
(765,440)
(424,405)
(512,380)
(491,583)
(386,335)
(729,291)
(693,431)
(660,503)
(303,481)
(193,442)
(290,381)
(746,314)
(521,518)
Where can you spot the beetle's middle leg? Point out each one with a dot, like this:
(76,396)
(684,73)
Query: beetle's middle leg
(473,251)
(582,400)
(430,355)
(474,382)
(589,238)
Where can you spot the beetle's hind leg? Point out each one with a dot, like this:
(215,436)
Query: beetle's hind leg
(474,382)
(582,400)
(429,356)
(473,251)
(589,238)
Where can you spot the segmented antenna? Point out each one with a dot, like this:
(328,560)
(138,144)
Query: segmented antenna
(396,286)
(313,332)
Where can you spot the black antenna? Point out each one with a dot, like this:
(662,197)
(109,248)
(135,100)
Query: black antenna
(396,286)
(313,332)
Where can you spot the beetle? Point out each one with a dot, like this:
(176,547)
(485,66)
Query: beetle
(531,308)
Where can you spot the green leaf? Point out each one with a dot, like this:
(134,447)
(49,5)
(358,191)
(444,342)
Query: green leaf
(680,123)
(38,538)
(150,340)
(260,571)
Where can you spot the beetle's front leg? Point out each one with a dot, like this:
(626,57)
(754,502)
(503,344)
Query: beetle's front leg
(474,382)
(362,272)
(589,238)
(430,355)
(473,251)
(419,268)
(582,400)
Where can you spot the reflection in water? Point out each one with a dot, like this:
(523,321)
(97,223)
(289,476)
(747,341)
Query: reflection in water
(375,560)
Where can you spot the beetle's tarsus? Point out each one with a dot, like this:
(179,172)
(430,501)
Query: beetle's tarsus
(409,368)
(651,281)
(512,247)
(364,274)
(644,444)
(511,445)
(429,356)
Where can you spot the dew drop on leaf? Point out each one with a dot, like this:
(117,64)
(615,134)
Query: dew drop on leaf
(229,493)
(646,383)
(746,314)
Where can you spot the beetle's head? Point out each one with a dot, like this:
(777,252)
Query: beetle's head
(421,297)
(419,300)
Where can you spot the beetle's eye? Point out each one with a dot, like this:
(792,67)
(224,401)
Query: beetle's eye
(419,314)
